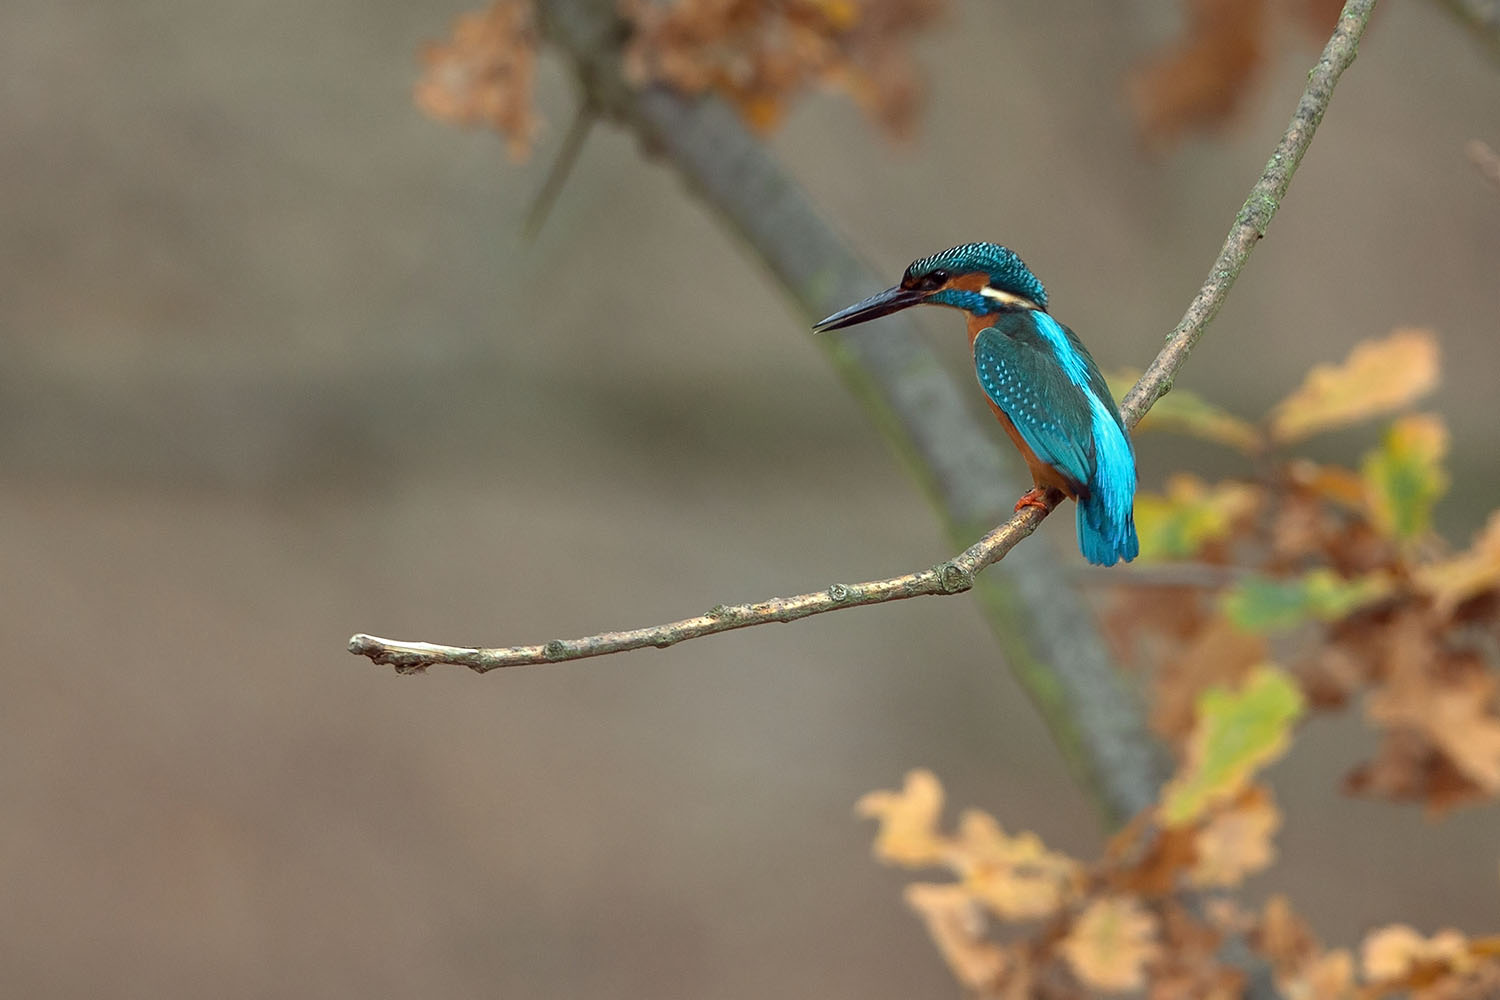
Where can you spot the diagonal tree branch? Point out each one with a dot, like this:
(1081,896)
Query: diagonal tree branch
(1255,215)
(1045,630)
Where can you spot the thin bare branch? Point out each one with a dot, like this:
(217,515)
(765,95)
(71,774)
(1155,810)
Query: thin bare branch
(952,577)
(1255,216)
(562,168)
(957,574)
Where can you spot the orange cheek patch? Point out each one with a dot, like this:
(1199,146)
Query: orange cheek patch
(968,282)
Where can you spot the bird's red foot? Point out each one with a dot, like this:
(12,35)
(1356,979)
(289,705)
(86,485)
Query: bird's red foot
(1035,497)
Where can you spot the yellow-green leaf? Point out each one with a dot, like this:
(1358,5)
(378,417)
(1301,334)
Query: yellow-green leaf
(1265,604)
(1404,477)
(1378,376)
(1237,733)
(1189,413)
(1190,514)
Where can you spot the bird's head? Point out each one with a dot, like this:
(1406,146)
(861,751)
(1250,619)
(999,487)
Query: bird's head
(979,278)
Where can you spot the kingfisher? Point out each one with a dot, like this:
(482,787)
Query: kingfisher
(1040,381)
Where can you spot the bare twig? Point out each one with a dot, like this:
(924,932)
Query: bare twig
(952,577)
(562,168)
(957,574)
(1255,216)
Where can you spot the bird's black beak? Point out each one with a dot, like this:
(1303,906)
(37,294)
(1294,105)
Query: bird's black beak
(882,304)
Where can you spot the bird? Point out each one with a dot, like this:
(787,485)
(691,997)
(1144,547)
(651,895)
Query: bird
(1040,381)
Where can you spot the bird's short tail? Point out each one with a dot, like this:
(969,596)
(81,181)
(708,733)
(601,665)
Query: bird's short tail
(1106,532)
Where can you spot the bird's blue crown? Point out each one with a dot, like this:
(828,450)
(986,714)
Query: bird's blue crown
(1007,272)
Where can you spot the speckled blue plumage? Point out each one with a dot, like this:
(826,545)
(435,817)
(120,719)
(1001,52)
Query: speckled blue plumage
(1038,372)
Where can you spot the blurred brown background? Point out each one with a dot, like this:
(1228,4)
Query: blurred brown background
(277,368)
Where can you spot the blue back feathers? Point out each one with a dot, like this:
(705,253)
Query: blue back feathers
(1039,373)
(1006,270)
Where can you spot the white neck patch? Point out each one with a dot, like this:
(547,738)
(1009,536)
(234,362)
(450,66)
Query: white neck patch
(1008,298)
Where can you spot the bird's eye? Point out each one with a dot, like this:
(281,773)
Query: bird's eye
(929,282)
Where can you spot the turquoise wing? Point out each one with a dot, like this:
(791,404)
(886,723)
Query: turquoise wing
(1041,375)
(1021,374)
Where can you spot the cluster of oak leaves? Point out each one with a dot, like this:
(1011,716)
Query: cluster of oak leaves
(756,54)
(762,55)
(1302,587)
